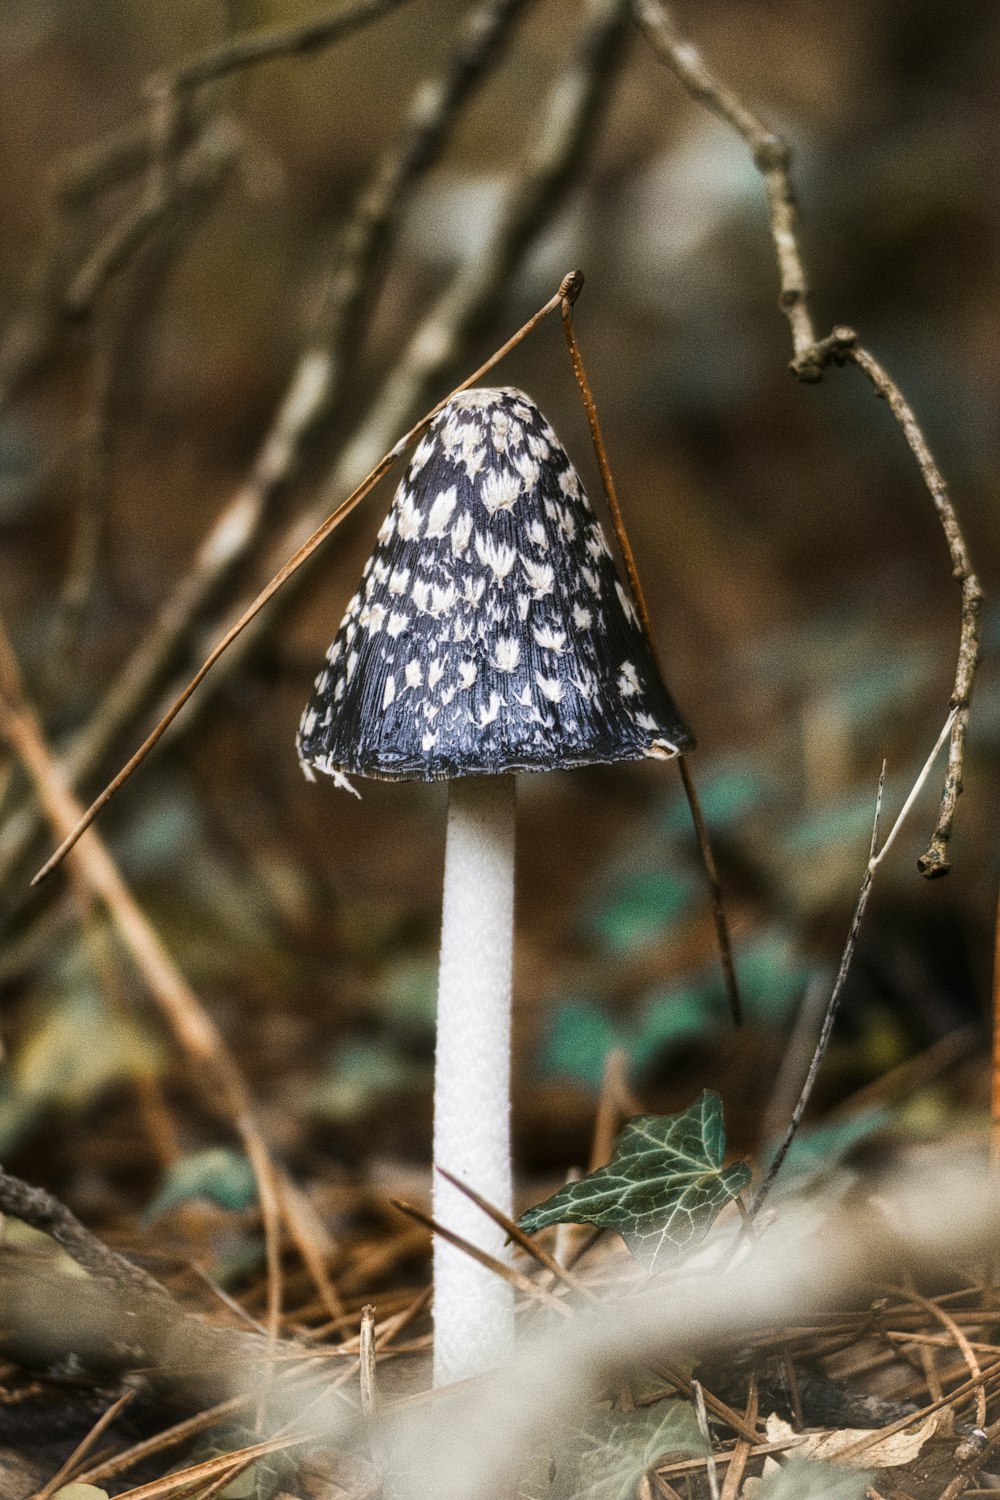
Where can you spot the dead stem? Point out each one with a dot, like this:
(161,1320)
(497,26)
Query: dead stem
(760,1197)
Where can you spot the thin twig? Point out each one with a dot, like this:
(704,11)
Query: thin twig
(812,356)
(198,1475)
(703,1428)
(91,171)
(165,177)
(934,860)
(772,158)
(160,1334)
(34,1206)
(171,1437)
(719,1409)
(875,857)
(433,108)
(833,1003)
(741,1451)
(722,936)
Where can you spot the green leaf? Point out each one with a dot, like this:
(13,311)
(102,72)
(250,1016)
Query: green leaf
(772,978)
(726,793)
(409,989)
(642,906)
(73,1050)
(219,1174)
(822,1148)
(603,1456)
(581,1035)
(662,1189)
(362,1074)
(799,1479)
(669,1018)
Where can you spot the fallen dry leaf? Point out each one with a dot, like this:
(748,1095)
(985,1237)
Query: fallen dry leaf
(836,1446)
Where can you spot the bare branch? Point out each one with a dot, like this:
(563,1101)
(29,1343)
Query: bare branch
(265,46)
(431,114)
(566,129)
(811,356)
(169,182)
(214,1066)
(34,1206)
(772,158)
(317,381)
(149,146)
(121,1317)
(934,861)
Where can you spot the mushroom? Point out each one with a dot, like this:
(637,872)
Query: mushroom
(490,634)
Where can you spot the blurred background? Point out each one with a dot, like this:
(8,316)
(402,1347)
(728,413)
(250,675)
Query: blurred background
(796,574)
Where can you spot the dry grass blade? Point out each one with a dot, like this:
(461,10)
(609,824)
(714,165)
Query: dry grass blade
(507,1273)
(180,1432)
(517,1234)
(569,287)
(83,1447)
(194,1029)
(186,1480)
(965,1348)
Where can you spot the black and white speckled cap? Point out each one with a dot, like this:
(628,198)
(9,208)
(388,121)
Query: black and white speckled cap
(491,631)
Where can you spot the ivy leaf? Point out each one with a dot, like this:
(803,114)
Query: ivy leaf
(661,1190)
(581,1034)
(221,1175)
(606,1453)
(801,1480)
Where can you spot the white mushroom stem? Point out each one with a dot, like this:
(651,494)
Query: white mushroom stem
(473,1307)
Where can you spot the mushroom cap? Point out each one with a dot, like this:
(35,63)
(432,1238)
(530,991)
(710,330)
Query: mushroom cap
(490,631)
